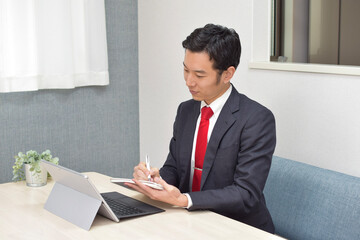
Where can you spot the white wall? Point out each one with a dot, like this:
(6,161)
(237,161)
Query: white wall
(317,115)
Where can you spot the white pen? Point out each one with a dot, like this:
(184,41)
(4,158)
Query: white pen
(147,163)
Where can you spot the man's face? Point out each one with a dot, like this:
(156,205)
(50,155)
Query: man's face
(203,81)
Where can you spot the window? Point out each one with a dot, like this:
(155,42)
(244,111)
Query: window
(316,31)
(52,44)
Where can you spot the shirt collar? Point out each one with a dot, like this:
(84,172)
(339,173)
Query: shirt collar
(218,104)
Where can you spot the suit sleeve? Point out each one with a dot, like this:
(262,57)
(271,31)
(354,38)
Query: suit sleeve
(257,144)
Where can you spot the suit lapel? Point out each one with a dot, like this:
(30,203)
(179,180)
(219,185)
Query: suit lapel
(223,123)
(187,143)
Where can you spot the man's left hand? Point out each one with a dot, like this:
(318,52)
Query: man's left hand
(169,194)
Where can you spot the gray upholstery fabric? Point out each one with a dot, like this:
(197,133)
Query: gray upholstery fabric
(308,202)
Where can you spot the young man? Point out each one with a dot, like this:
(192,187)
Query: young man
(222,144)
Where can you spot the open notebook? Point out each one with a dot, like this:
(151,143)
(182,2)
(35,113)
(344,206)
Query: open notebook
(121,181)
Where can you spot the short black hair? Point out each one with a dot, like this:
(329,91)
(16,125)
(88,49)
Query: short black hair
(221,43)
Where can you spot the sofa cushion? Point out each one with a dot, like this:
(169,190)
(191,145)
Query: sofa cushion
(307,202)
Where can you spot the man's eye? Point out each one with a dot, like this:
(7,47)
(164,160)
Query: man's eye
(199,76)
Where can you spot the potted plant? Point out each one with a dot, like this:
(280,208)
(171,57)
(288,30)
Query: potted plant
(27,166)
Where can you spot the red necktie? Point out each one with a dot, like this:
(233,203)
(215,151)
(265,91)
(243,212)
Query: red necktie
(200,149)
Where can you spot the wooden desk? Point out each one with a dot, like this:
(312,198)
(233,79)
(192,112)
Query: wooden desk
(22,216)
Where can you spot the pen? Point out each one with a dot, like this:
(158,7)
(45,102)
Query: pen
(147,163)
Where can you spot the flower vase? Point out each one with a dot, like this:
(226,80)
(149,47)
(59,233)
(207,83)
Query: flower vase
(34,179)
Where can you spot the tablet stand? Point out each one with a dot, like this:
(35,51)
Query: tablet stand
(73,206)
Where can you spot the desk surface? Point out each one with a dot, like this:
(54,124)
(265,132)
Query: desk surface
(22,216)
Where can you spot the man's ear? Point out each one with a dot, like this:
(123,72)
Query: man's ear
(228,74)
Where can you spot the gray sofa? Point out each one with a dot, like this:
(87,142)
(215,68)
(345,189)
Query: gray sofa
(307,202)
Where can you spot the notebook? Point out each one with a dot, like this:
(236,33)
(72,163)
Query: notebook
(121,182)
(69,183)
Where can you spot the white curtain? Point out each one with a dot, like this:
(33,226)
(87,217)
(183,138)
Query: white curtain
(52,44)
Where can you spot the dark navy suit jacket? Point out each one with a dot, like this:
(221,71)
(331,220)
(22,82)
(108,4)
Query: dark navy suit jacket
(237,159)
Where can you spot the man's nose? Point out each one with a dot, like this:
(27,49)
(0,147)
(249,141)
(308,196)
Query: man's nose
(189,79)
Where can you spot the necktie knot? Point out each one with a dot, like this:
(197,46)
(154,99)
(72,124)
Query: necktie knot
(206,113)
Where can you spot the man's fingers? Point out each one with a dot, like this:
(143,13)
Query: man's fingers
(162,182)
(135,187)
(141,172)
(154,172)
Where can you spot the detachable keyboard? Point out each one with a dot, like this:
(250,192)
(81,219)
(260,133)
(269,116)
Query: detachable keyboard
(126,207)
(120,209)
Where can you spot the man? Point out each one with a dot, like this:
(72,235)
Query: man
(222,144)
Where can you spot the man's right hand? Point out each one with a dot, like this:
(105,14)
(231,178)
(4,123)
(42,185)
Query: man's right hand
(142,173)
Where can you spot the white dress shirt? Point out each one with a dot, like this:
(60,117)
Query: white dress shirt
(216,107)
